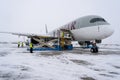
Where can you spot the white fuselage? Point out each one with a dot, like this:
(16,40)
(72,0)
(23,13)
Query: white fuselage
(88,28)
(92,33)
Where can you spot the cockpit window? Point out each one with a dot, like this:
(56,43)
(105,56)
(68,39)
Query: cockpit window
(97,20)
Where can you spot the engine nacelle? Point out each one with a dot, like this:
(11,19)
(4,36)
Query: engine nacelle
(98,41)
(84,42)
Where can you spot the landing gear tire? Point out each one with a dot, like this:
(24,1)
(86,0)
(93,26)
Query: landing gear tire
(94,50)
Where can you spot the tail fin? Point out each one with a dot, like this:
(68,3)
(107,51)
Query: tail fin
(46,29)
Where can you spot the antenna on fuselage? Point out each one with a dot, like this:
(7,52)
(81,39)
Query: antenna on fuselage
(46,28)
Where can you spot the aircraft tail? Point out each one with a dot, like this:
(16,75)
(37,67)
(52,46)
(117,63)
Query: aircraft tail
(46,29)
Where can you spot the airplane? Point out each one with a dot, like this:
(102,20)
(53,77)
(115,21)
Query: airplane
(85,30)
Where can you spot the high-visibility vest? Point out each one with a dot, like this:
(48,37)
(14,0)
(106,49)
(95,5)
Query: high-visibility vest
(62,35)
(22,44)
(31,45)
(18,43)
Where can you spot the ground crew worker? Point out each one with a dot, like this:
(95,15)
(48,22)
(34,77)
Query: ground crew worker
(31,48)
(62,35)
(22,44)
(18,44)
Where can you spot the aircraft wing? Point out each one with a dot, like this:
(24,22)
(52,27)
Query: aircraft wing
(26,34)
(37,35)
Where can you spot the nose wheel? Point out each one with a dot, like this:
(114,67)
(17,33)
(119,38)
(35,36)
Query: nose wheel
(94,48)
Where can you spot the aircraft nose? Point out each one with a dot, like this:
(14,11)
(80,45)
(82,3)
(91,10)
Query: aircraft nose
(109,31)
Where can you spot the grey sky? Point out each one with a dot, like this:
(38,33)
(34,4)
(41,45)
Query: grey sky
(30,16)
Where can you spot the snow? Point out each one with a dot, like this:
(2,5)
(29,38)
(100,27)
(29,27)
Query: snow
(114,47)
(78,64)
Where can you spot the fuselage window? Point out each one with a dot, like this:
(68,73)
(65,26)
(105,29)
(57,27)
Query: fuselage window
(97,20)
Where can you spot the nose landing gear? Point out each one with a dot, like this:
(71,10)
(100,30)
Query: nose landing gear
(94,48)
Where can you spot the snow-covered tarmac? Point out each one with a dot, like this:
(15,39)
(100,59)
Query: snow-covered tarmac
(78,64)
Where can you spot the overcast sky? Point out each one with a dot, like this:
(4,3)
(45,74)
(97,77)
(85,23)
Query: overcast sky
(30,16)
